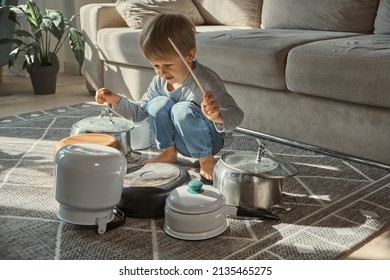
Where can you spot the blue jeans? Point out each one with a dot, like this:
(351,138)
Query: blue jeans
(184,126)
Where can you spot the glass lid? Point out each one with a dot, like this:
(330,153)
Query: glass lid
(245,162)
(106,124)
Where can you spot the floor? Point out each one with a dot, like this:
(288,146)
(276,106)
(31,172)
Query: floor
(16,96)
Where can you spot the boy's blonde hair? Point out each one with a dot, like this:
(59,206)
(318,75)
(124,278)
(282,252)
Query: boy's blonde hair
(154,36)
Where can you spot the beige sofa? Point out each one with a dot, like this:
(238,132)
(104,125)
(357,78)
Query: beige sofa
(311,71)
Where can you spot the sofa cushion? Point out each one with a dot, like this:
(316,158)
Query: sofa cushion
(137,12)
(231,12)
(382,20)
(354,69)
(254,57)
(333,15)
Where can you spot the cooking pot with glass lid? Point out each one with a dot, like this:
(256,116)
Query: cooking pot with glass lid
(105,123)
(250,179)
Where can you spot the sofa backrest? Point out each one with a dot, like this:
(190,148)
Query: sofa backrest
(330,15)
(361,16)
(137,12)
(230,12)
(382,21)
(209,12)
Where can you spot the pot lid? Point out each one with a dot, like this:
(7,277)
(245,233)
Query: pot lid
(152,175)
(269,167)
(195,198)
(106,124)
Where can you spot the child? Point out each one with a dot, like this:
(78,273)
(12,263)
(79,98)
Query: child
(181,118)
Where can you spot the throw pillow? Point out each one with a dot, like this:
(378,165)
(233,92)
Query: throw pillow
(231,12)
(330,15)
(382,21)
(137,12)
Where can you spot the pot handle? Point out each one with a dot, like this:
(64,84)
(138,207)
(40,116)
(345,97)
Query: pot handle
(106,112)
(279,207)
(260,152)
(256,213)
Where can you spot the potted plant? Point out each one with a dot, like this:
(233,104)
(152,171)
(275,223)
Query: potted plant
(41,44)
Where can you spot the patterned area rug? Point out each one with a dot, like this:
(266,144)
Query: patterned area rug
(336,204)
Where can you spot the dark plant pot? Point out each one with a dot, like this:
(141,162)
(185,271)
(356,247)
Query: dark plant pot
(44,79)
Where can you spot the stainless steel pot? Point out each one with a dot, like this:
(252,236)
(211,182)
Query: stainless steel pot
(120,128)
(247,179)
(196,212)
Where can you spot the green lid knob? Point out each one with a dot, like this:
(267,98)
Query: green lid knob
(195,186)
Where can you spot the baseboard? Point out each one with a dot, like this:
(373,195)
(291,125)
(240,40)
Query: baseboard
(313,148)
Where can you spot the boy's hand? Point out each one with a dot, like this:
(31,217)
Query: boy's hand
(105,95)
(210,108)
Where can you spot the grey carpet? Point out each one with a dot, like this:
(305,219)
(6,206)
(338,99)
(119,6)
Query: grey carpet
(337,204)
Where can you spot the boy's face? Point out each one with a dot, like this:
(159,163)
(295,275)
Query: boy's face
(172,69)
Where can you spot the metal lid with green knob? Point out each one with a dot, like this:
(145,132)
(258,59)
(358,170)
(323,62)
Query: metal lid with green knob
(195,198)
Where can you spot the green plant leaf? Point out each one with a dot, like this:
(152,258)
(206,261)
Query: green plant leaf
(31,58)
(15,52)
(33,14)
(23,33)
(7,41)
(37,32)
(13,55)
(7,11)
(54,21)
(77,44)
(34,18)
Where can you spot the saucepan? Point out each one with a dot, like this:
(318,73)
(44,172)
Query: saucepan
(250,179)
(197,212)
(137,139)
(120,128)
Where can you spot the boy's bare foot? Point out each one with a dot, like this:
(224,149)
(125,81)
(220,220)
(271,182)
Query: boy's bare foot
(207,167)
(168,155)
